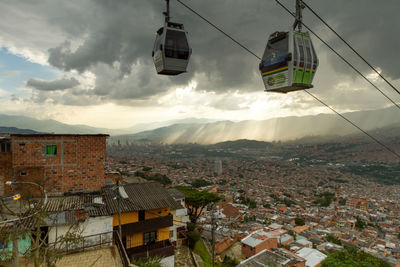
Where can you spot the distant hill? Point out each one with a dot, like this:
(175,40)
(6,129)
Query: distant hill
(13,130)
(277,129)
(50,126)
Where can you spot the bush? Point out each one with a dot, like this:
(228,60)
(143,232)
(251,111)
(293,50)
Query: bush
(193,237)
(299,221)
(149,262)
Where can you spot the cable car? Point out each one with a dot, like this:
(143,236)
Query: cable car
(171,50)
(289,62)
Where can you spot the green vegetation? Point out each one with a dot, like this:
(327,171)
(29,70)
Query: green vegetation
(147,169)
(201,250)
(381,173)
(252,204)
(197,200)
(149,262)
(200,183)
(267,205)
(333,239)
(324,199)
(350,256)
(158,177)
(193,238)
(360,224)
(342,201)
(230,262)
(299,221)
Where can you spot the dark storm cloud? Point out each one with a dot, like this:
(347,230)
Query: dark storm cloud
(114,39)
(55,85)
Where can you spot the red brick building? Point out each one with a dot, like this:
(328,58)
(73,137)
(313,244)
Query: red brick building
(60,162)
(257,242)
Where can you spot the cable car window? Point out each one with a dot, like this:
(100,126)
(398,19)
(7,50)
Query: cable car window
(308,66)
(276,51)
(176,45)
(157,43)
(294,52)
(301,48)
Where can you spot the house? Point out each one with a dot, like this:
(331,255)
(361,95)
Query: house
(87,212)
(59,162)
(271,258)
(6,241)
(312,256)
(179,216)
(145,218)
(257,242)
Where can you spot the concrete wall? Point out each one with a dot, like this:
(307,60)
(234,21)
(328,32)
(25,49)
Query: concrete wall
(91,226)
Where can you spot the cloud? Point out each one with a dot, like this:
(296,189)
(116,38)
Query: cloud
(113,40)
(55,85)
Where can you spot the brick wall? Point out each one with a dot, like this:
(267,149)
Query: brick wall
(248,251)
(78,165)
(5,170)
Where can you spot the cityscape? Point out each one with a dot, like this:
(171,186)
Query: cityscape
(175,133)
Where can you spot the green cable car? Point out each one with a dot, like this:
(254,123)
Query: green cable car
(289,62)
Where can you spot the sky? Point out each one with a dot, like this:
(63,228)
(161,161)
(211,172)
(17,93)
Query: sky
(89,61)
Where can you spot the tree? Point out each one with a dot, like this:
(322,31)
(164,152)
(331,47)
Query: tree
(28,225)
(350,256)
(252,204)
(197,200)
(333,239)
(299,221)
(360,224)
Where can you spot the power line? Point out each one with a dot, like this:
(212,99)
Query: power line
(248,50)
(356,52)
(340,56)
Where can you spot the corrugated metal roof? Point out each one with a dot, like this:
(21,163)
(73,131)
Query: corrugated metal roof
(141,196)
(176,194)
(87,202)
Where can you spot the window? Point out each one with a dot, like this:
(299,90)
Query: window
(142,214)
(22,174)
(171,234)
(3,244)
(149,238)
(176,45)
(51,150)
(5,147)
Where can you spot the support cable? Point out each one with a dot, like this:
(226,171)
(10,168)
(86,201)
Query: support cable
(340,56)
(323,103)
(355,51)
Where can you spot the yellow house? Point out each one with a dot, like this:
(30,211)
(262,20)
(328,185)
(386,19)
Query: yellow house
(145,218)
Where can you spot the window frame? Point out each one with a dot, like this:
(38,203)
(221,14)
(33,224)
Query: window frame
(49,146)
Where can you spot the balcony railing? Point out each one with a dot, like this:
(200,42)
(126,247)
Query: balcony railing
(146,225)
(87,242)
(121,249)
(163,249)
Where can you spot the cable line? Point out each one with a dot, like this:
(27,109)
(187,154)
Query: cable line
(319,100)
(218,29)
(356,52)
(340,56)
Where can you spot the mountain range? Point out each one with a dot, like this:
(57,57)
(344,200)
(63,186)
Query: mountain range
(208,131)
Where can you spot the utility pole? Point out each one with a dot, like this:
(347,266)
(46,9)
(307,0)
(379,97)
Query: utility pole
(212,235)
(119,211)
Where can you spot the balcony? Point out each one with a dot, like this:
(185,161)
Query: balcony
(146,225)
(162,249)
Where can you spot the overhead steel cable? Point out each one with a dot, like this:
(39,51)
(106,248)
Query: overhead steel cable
(218,29)
(340,56)
(355,51)
(319,100)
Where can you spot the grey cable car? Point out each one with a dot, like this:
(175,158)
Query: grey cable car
(171,50)
(289,62)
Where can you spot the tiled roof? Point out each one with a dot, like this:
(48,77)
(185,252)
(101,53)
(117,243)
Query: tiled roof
(141,196)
